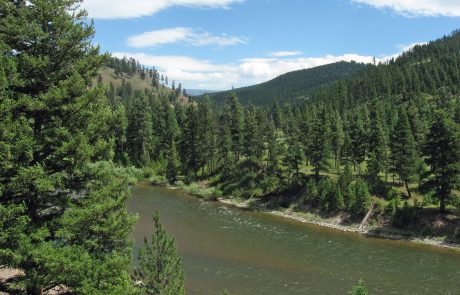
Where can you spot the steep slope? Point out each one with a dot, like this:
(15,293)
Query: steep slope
(291,85)
(425,69)
(108,76)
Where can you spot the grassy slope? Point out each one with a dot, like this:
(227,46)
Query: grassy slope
(108,76)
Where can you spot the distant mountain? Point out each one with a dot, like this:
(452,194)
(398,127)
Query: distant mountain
(291,85)
(197,92)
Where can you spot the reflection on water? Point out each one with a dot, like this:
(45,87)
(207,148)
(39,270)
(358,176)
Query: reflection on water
(256,253)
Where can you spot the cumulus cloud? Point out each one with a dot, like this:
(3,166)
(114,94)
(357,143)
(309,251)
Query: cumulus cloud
(413,8)
(186,36)
(285,53)
(204,74)
(114,9)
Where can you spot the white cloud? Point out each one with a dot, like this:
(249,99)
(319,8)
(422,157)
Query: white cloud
(113,9)
(182,35)
(204,74)
(402,48)
(413,8)
(285,53)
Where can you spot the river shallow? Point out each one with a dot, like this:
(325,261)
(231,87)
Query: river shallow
(254,253)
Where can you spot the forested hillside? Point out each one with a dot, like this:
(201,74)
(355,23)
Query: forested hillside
(291,85)
(388,136)
(77,127)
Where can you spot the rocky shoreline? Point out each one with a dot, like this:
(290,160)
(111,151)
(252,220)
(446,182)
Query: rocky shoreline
(330,223)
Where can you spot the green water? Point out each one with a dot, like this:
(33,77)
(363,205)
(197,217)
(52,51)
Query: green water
(256,253)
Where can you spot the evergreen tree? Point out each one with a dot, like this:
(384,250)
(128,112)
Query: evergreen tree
(319,143)
(378,145)
(52,127)
(273,150)
(361,200)
(139,133)
(159,267)
(442,155)
(337,138)
(293,155)
(172,168)
(206,133)
(358,136)
(251,135)
(190,143)
(234,118)
(405,159)
(119,126)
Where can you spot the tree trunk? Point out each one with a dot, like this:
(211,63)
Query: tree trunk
(442,205)
(407,189)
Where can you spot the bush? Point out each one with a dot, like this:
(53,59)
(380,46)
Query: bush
(362,199)
(405,216)
(394,203)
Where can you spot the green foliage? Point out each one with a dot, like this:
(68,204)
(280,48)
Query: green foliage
(63,219)
(359,289)
(405,216)
(361,200)
(159,269)
(405,158)
(291,85)
(140,134)
(394,202)
(442,154)
(234,119)
(331,197)
(318,145)
(172,165)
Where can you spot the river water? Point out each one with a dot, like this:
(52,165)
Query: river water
(255,253)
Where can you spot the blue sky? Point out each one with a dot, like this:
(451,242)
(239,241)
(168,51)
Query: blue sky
(217,44)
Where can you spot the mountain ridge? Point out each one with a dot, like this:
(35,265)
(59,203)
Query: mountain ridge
(291,85)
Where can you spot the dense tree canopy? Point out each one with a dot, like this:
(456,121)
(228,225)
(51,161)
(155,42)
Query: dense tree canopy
(54,136)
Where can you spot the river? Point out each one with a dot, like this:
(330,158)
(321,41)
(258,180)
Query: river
(255,253)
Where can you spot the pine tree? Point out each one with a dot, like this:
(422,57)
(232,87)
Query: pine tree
(337,138)
(52,127)
(206,133)
(172,168)
(234,118)
(442,155)
(139,132)
(190,143)
(119,126)
(319,146)
(405,159)
(159,268)
(378,145)
(358,136)
(273,150)
(293,155)
(277,115)
(361,200)
(251,135)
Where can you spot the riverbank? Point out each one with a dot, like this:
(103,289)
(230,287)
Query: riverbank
(334,223)
(311,218)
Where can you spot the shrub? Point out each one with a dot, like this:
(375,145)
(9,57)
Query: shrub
(362,199)
(405,216)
